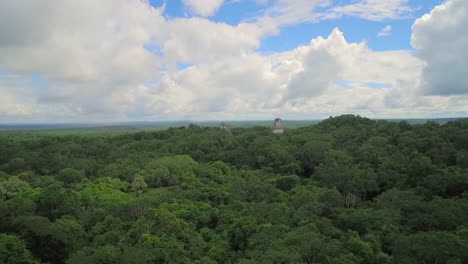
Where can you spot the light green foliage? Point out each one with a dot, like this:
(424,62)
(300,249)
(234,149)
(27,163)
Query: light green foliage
(11,187)
(169,171)
(138,185)
(105,192)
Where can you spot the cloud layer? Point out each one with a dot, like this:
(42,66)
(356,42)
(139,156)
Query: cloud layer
(375,9)
(441,39)
(204,7)
(120,60)
(386,31)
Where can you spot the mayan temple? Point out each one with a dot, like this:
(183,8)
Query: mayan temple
(278,127)
(226,128)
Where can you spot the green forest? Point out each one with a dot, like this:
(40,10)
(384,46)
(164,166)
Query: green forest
(346,190)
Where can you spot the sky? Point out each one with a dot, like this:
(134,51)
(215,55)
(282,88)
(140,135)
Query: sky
(158,60)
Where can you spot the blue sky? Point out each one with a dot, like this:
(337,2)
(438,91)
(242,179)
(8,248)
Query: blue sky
(120,60)
(356,29)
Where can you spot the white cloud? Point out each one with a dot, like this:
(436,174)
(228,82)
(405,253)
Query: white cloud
(78,40)
(319,67)
(373,9)
(441,40)
(15,99)
(292,12)
(297,83)
(198,40)
(93,56)
(204,7)
(386,31)
(89,51)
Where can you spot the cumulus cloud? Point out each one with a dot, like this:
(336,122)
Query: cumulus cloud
(204,7)
(87,50)
(441,40)
(117,59)
(77,40)
(98,56)
(198,40)
(319,67)
(386,31)
(299,82)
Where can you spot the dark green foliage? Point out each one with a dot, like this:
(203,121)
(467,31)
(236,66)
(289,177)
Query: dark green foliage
(346,190)
(13,251)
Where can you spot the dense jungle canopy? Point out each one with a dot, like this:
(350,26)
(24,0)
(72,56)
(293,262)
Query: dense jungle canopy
(347,190)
